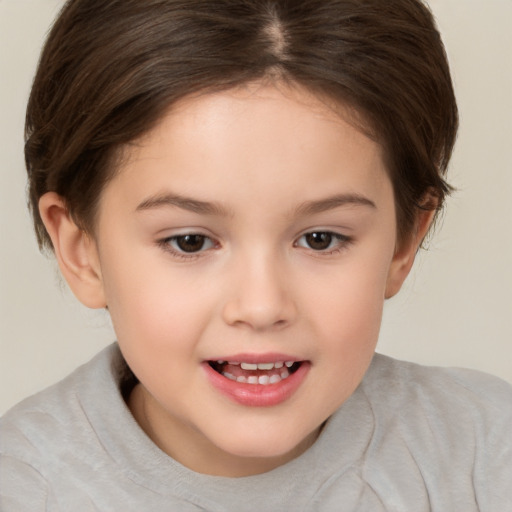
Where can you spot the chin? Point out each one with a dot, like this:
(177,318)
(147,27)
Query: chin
(266,445)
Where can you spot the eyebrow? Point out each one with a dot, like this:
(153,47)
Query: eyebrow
(213,208)
(329,203)
(183,202)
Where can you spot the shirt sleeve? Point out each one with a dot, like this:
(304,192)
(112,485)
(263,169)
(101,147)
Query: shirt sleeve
(493,462)
(22,488)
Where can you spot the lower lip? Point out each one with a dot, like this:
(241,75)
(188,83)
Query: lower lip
(257,395)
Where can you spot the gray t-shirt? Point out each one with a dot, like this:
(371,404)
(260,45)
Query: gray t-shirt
(410,439)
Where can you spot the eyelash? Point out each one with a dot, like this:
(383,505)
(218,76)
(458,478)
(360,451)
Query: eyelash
(166,245)
(342,242)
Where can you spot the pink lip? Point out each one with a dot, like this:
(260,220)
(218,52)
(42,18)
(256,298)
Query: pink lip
(258,395)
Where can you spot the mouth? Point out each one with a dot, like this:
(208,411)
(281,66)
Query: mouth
(272,372)
(257,381)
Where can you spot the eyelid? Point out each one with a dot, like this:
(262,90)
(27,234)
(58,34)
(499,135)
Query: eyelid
(343,241)
(165,244)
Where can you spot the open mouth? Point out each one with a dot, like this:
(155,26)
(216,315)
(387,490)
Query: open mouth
(256,373)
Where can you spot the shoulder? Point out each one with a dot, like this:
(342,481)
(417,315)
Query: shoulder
(452,424)
(45,422)
(455,402)
(401,384)
(49,442)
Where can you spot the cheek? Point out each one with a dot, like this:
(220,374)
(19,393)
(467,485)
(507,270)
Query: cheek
(352,320)
(348,312)
(153,306)
(352,290)
(158,328)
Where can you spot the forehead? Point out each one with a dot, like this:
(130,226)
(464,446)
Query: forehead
(279,142)
(253,105)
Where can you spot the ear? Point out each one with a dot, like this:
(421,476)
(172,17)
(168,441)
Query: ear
(76,252)
(403,258)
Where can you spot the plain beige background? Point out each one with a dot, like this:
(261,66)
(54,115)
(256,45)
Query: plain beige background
(456,307)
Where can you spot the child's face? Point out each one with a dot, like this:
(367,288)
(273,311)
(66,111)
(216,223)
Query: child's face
(251,226)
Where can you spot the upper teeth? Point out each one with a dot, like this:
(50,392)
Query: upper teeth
(264,366)
(259,366)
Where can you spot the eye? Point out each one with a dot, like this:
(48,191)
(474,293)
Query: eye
(322,240)
(189,243)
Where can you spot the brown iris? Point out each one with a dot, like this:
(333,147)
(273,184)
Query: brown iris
(190,243)
(319,240)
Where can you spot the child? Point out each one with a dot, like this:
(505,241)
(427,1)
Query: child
(242,184)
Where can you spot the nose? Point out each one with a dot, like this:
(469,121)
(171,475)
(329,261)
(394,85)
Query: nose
(260,296)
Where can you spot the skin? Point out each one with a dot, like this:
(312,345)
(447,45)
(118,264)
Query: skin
(273,163)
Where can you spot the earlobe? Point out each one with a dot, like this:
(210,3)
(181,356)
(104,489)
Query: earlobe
(75,251)
(404,256)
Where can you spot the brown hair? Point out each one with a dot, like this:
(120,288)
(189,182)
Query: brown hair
(110,69)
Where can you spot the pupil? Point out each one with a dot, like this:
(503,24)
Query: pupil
(190,243)
(319,241)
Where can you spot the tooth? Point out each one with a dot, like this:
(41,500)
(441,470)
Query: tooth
(288,364)
(263,379)
(275,379)
(285,373)
(252,379)
(229,376)
(249,366)
(265,366)
(279,365)
(241,379)
(220,361)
